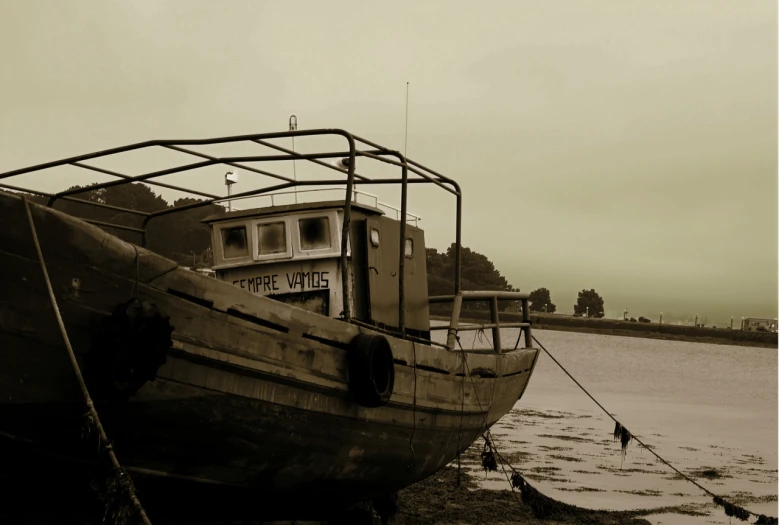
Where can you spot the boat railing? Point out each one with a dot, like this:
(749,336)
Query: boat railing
(357,148)
(492,298)
(376,202)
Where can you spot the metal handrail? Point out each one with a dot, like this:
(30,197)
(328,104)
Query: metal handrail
(481,295)
(492,297)
(378,203)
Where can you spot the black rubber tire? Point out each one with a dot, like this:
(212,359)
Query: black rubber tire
(371,370)
(128,349)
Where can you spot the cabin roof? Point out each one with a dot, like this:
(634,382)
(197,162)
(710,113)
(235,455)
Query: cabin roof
(289,208)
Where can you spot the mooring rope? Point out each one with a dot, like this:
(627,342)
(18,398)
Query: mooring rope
(414,408)
(123,479)
(134,289)
(462,413)
(730,508)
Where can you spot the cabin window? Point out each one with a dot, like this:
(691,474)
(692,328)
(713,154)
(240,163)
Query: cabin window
(374,236)
(272,238)
(409,248)
(234,242)
(314,233)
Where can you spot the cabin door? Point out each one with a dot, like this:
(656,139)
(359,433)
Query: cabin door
(383,245)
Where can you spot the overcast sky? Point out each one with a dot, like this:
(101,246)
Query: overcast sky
(625,146)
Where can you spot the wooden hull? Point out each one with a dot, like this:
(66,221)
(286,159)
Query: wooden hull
(253,393)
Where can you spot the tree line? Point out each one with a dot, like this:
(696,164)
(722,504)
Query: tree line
(176,236)
(477,272)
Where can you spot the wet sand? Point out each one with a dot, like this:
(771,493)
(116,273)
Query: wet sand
(711,410)
(439,500)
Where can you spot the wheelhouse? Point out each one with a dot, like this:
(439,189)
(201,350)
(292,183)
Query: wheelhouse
(292,253)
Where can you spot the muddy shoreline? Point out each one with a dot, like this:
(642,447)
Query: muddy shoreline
(439,500)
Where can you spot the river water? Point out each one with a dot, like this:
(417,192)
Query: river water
(710,410)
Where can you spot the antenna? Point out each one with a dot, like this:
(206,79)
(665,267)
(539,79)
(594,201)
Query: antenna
(405,146)
(230,179)
(293,126)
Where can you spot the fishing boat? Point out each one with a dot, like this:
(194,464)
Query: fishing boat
(305,371)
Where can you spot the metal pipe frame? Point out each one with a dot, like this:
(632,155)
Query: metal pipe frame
(378,153)
(491,297)
(482,326)
(481,296)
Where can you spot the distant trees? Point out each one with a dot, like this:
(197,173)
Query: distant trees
(644,320)
(175,236)
(540,301)
(589,303)
(477,272)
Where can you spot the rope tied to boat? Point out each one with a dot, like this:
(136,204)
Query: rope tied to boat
(462,411)
(136,273)
(121,500)
(414,408)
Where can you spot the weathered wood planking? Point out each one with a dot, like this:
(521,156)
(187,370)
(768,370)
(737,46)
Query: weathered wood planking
(254,392)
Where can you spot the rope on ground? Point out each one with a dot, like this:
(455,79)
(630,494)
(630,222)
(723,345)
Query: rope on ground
(622,433)
(119,486)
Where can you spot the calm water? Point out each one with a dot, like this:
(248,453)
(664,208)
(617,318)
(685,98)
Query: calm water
(700,406)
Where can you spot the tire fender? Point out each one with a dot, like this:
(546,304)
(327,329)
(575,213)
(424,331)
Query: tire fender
(371,370)
(128,349)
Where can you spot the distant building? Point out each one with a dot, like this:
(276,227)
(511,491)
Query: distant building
(754,324)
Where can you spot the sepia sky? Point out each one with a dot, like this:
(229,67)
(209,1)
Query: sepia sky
(625,146)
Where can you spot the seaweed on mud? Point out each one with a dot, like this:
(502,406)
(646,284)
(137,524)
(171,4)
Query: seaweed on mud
(517,456)
(709,473)
(565,438)
(565,458)
(546,508)
(438,500)
(646,492)
(543,415)
(545,469)
(557,449)
(732,510)
(624,436)
(581,489)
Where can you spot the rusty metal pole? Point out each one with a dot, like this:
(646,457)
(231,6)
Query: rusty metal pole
(451,336)
(345,231)
(526,319)
(293,126)
(494,316)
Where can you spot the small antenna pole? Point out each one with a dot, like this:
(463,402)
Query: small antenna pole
(293,126)
(230,179)
(405,146)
